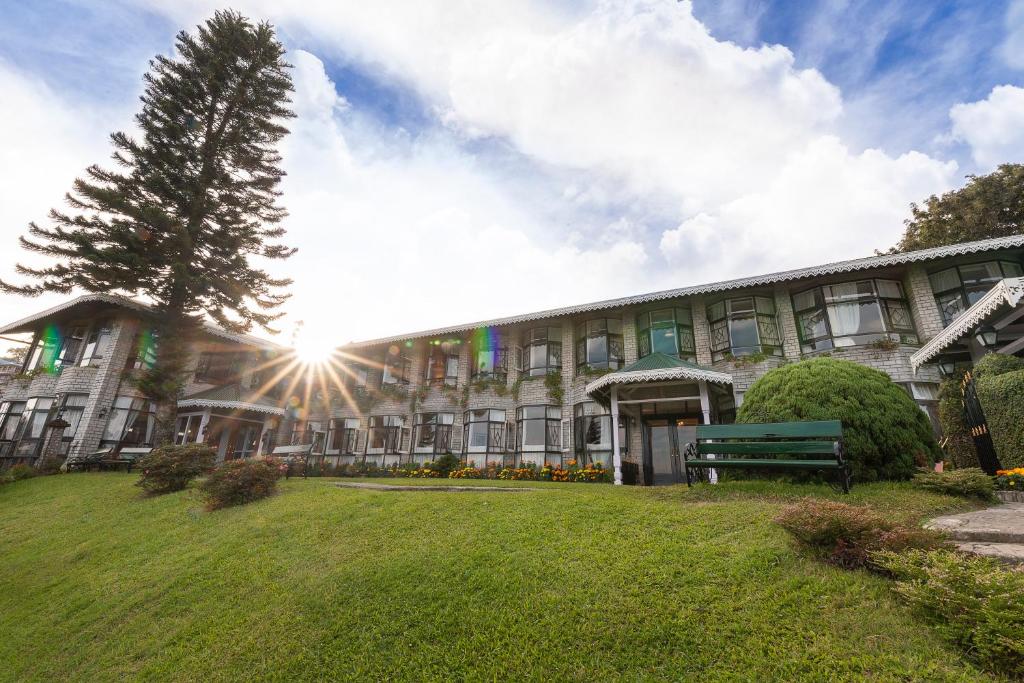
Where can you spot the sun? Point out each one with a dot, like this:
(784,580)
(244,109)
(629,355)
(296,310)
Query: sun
(313,349)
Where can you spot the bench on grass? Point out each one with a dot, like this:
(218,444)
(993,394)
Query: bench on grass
(294,457)
(125,458)
(812,446)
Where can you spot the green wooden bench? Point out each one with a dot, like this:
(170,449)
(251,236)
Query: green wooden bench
(814,446)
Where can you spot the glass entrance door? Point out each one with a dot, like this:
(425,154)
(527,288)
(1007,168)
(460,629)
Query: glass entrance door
(664,441)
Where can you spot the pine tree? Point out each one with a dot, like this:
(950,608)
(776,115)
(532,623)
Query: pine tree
(190,203)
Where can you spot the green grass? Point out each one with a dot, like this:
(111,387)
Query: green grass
(569,582)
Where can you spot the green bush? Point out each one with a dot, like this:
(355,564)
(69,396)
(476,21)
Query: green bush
(885,433)
(446,464)
(1000,383)
(237,482)
(973,601)
(969,482)
(17,473)
(849,535)
(170,468)
(957,443)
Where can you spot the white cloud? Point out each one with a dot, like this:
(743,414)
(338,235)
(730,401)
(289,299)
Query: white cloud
(1012,48)
(993,127)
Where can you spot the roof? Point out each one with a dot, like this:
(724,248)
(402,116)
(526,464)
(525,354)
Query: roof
(232,397)
(880,261)
(27,324)
(656,367)
(1008,291)
(8,361)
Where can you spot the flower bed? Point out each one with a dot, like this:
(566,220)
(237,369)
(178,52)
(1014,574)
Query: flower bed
(1010,480)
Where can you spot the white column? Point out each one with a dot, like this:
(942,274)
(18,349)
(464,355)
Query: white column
(263,433)
(705,402)
(616,446)
(204,422)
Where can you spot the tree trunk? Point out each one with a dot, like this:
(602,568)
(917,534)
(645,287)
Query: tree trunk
(164,382)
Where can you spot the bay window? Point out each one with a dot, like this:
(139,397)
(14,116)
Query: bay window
(396,367)
(130,423)
(187,429)
(539,432)
(71,344)
(72,407)
(490,363)
(213,367)
(852,313)
(744,326)
(668,331)
(385,434)
(483,433)
(442,364)
(10,418)
(97,344)
(958,288)
(354,375)
(43,354)
(599,345)
(593,434)
(32,426)
(143,354)
(342,435)
(432,432)
(542,348)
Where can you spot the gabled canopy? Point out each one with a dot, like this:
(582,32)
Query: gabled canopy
(232,397)
(656,367)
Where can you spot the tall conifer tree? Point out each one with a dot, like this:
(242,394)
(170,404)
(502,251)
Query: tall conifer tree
(192,200)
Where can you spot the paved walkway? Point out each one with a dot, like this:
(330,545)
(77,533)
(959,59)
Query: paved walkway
(430,487)
(996,532)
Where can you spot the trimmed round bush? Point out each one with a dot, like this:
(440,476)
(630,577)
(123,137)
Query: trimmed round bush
(1000,383)
(170,468)
(237,482)
(885,434)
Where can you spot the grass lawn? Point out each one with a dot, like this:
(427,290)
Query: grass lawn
(568,582)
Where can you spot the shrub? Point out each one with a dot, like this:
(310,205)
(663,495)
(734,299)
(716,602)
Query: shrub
(17,473)
(973,601)
(445,464)
(1010,480)
(969,482)
(240,481)
(957,443)
(1000,383)
(847,535)
(885,434)
(171,468)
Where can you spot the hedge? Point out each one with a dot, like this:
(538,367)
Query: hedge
(1000,384)
(886,434)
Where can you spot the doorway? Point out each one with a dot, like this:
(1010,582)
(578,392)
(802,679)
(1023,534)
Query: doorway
(664,440)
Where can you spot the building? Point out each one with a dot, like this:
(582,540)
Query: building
(632,376)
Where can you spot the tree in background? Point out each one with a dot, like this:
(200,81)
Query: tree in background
(17,353)
(987,206)
(189,204)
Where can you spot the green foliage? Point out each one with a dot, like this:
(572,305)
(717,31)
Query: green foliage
(170,468)
(987,206)
(956,442)
(1000,387)
(969,482)
(973,601)
(848,535)
(240,481)
(553,383)
(17,473)
(445,464)
(885,434)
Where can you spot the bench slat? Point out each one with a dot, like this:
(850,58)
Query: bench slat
(753,447)
(758,462)
(819,429)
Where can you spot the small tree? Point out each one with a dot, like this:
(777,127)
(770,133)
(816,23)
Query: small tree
(192,201)
(885,434)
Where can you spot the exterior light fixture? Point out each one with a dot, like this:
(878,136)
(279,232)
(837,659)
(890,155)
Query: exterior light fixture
(986,336)
(946,367)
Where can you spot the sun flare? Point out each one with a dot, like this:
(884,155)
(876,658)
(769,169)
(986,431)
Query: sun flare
(313,349)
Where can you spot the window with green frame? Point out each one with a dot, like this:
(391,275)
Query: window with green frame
(743,326)
(599,345)
(666,330)
(852,313)
(958,288)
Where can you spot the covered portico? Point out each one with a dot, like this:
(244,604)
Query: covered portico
(235,422)
(668,398)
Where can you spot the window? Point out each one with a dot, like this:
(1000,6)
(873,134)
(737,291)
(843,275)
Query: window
(354,375)
(43,355)
(543,350)
(32,426)
(71,345)
(130,423)
(599,345)
(490,362)
(343,434)
(593,434)
(71,408)
(396,367)
(97,344)
(484,432)
(852,313)
(668,331)
(10,418)
(957,289)
(143,354)
(187,430)
(385,433)
(433,432)
(217,367)
(744,326)
(539,431)
(443,363)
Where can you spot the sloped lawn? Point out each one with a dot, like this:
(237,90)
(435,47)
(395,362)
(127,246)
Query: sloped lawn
(568,582)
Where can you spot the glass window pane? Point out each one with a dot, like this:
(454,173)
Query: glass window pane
(664,316)
(597,350)
(812,325)
(944,280)
(533,433)
(664,340)
(1011,269)
(804,300)
(899,316)
(743,332)
(716,311)
(765,305)
(744,305)
(598,326)
(980,273)
(889,288)
(614,326)
(855,318)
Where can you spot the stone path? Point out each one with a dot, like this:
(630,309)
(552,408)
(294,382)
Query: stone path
(996,532)
(430,487)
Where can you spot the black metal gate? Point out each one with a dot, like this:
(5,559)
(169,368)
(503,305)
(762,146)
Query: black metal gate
(974,418)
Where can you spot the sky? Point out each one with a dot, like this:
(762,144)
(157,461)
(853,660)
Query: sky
(458,160)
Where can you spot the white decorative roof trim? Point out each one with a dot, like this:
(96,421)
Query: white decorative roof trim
(1008,291)
(660,375)
(230,405)
(141,307)
(839,267)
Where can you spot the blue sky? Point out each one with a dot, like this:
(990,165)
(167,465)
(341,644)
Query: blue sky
(516,156)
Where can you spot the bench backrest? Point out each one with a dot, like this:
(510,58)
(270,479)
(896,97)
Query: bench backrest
(820,429)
